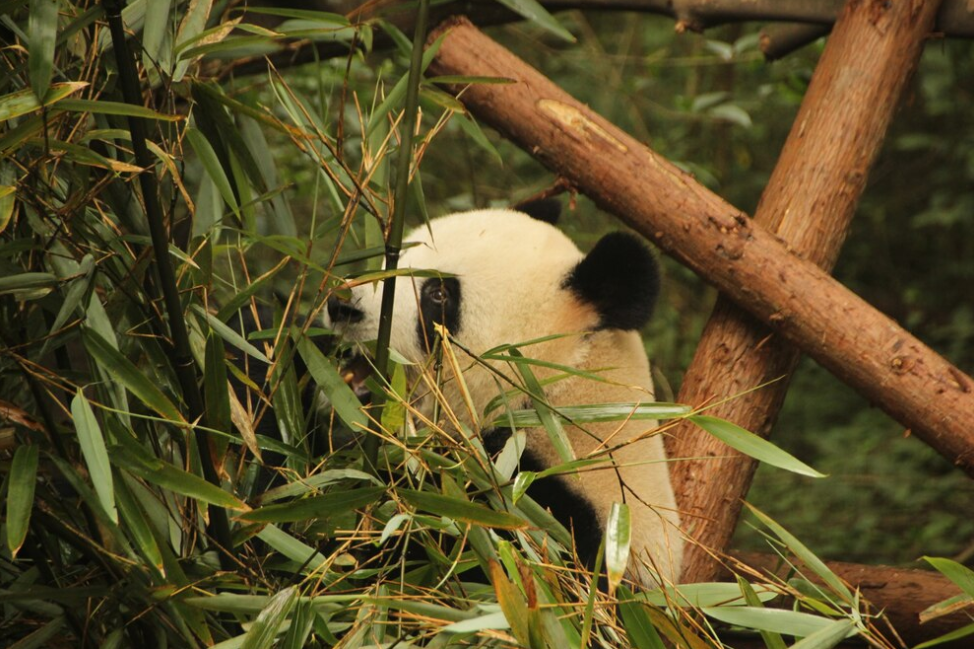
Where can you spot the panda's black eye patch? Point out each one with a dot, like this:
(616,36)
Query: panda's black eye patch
(439,303)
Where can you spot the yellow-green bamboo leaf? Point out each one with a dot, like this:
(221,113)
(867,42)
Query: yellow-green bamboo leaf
(23,101)
(8,199)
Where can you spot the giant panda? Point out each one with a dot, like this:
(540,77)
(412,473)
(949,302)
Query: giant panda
(510,278)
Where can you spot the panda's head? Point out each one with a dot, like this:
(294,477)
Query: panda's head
(508,277)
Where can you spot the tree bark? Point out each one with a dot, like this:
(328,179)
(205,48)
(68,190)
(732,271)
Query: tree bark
(900,593)
(809,202)
(861,346)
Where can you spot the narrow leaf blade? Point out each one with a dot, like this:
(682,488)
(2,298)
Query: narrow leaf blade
(20,495)
(95,453)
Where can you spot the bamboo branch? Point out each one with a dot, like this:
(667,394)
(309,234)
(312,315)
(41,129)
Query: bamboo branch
(861,346)
(781,40)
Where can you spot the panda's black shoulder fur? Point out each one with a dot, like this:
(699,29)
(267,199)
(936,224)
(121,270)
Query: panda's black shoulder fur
(620,278)
(542,209)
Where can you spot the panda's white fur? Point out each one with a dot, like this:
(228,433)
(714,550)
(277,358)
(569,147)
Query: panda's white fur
(513,276)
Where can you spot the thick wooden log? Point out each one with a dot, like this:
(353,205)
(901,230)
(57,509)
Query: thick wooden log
(858,344)
(900,593)
(809,202)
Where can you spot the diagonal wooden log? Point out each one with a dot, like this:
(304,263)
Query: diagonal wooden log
(802,302)
(809,201)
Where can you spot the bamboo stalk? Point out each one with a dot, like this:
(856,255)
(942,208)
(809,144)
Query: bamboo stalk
(183,362)
(394,240)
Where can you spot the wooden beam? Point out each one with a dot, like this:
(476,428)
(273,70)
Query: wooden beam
(809,202)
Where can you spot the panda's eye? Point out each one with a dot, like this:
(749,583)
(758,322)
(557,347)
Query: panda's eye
(438,294)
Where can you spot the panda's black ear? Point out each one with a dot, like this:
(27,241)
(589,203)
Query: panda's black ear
(620,278)
(542,209)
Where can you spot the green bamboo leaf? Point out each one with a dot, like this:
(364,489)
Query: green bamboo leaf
(23,101)
(43,636)
(20,494)
(956,634)
(398,92)
(286,399)
(552,425)
(470,126)
(302,622)
(752,445)
(954,571)
(137,382)
(617,541)
(315,507)
(593,413)
(302,14)
(537,14)
(703,595)
(394,409)
(95,453)
(326,376)
(218,124)
(480,623)
(211,163)
(731,113)
(25,284)
(193,24)
(216,390)
(115,108)
(461,510)
(807,557)
(828,637)
(293,549)
(135,460)
(77,288)
(775,620)
(137,525)
(228,334)
(156,36)
(265,628)
(771,640)
(639,627)
(42,36)
(245,605)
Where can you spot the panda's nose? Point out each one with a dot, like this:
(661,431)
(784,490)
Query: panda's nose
(341,312)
